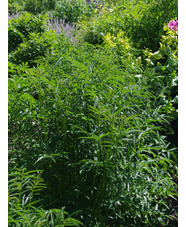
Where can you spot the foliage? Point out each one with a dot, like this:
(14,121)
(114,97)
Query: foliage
(29,40)
(20,28)
(24,187)
(165,61)
(36,47)
(31,6)
(163,77)
(142,21)
(91,129)
(122,49)
(14,38)
(88,124)
(14,7)
(73,11)
(39,6)
(100,24)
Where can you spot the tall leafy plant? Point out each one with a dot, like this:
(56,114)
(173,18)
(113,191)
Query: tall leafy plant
(91,128)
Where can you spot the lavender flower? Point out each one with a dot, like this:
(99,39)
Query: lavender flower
(13,16)
(59,26)
(173,25)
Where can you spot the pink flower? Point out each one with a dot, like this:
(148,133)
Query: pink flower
(173,25)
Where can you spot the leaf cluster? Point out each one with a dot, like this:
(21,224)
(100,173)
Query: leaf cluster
(24,188)
(19,29)
(28,39)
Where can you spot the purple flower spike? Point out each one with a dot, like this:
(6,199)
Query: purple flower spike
(88,0)
(173,25)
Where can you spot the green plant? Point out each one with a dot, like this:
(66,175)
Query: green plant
(96,27)
(14,38)
(36,47)
(165,60)
(14,7)
(141,21)
(91,127)
(20,29)
(144,20)
(39,6)
(73,11)
(24,188)
(123,50)
(163,65)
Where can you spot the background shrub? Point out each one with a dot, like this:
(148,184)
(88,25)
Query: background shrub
(94,29)
(14,7)
(31,6)
(19,29)
(163,79)
(142,22)
(29,40)
(14,38)
(39,6)
(36,47)
(73,11)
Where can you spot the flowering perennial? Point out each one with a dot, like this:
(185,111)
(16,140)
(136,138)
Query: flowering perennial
(173,25)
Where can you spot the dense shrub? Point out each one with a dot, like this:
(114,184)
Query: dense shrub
(91,129)
(144,20)
(94,118)
(14,7)
(74,11)
(20,29)
(164,62)
(31,6)
(39,6)
(14,38)
(36,47)
(122,48)
(29,40)
(162,67)
(94,29)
